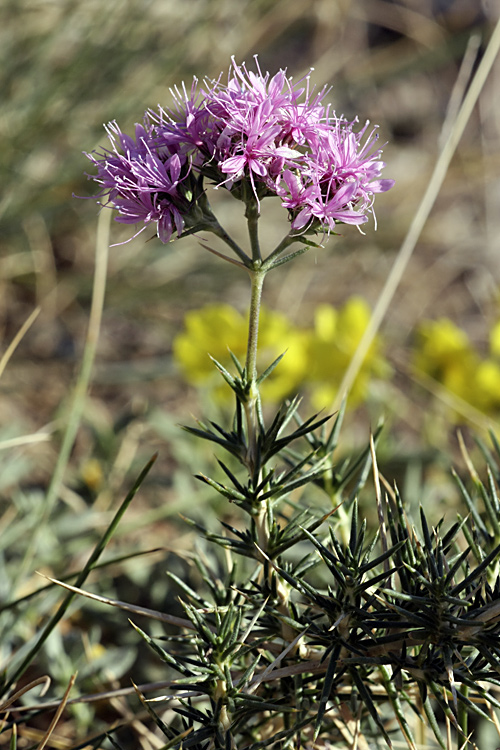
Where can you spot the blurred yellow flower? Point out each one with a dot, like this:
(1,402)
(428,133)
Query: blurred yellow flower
(495,340)
(332,345)
(489,372)
(314,358)
(443,352)
(487,385)
(440,345)
(92,474)
(218,329)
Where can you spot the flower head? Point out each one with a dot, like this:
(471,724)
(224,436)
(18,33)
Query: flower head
(142,182)
(275,134)
(337,179)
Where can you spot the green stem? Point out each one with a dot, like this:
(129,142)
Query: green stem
(225,237)
(252,216)
(462,719)
(263,512)
(203,218)
(257,281)
(283,245)
(251,404)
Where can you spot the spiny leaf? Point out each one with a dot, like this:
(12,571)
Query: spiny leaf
(230,380)
(433,723)
(491,503)
(187,589)
(327,689)
(270,369)
(159,723)
(289,257)
(164,655)
(231,476)
(394,698)
(226,492)
(333,438)
(389,553)
(239,367)
(365,695)
(233,447)
(476,572)
(471,505)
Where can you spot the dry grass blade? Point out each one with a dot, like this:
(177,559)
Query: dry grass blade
(421,215)
(476,417)
(350,729)
(35,437)
(378,494)
(466,457)
(17,339)
(58,713)
(80,390)
(82,384)
(221,255)
(106,695)
(494,719)
(463,77)
(151,613)
(265,675)
(45,681)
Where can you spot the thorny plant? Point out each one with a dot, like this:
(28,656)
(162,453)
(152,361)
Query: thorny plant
(310,634)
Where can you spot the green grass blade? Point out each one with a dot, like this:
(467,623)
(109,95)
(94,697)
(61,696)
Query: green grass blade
(98,550)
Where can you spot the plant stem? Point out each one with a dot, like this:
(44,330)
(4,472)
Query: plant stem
(462,719)
(252,216)
(257,280)
(225,237)
(257,273)
(288,240)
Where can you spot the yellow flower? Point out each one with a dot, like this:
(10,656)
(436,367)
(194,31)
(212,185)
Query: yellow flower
(92,474)
(443,352)
(440,344)
(332,345)
(216,330)
(213,330)
(488,376)
(495,340)
(487,385)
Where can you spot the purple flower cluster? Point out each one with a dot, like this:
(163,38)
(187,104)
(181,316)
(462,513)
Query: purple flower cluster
(268,132)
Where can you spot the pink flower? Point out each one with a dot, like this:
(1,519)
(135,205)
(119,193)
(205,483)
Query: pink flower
(143,182)
(336,181)
(271,132)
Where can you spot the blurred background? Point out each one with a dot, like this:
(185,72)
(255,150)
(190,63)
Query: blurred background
(68,67)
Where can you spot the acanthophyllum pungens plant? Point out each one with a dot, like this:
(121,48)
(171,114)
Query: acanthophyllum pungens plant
(310,634)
